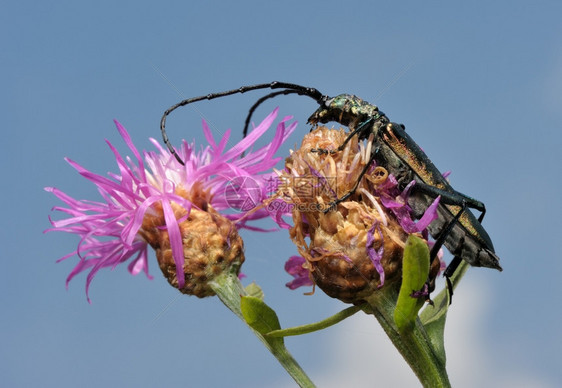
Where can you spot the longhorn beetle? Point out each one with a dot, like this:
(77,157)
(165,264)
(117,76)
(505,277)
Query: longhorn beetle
(456,227)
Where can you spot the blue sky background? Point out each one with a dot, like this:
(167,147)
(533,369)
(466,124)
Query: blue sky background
(478,85)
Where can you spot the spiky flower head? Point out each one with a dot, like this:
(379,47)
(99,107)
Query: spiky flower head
(179,210)
(354,248)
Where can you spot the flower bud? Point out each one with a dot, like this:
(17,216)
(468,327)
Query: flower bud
(354,248)
(211,245)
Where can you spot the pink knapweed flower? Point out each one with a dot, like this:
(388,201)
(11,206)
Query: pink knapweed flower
(155,200)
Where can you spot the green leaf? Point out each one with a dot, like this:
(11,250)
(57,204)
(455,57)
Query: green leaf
(415,270)
(433,317)
(260,317)
(257,315)
(254,290)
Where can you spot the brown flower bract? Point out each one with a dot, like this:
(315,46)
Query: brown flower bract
(211,246)
(334,243)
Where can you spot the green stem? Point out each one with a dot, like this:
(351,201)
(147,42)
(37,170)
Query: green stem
(317,326)
(414,345)
(229,290)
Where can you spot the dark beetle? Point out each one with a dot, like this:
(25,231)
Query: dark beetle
(456,227)
(400,155)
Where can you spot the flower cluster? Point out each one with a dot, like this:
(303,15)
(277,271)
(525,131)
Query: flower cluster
(177,209)
(354,247)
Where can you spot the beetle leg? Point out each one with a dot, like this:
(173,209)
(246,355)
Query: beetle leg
(450,270)
(454,198)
